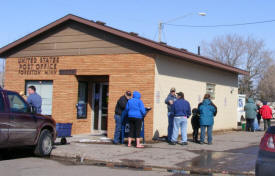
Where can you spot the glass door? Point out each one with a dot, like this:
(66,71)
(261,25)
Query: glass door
(100,108)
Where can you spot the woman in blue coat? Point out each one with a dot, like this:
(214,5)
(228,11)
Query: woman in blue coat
(207,112)
(136,111)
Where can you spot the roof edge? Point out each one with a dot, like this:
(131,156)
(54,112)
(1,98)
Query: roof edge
(144,41)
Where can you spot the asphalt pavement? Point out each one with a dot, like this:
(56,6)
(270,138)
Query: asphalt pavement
(32,166)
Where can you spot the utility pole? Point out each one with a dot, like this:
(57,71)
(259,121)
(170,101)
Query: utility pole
(160,30)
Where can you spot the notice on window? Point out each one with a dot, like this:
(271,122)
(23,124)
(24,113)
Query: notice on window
(46,65)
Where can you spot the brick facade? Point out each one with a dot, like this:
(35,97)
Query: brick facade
(125,71)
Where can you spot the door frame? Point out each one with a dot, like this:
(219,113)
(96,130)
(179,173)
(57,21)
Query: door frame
(99,131)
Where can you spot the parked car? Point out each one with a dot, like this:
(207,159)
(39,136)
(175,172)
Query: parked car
(20,125)
(266,157)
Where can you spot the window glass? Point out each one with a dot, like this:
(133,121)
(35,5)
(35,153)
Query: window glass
(16,103)
(2,104)
(210,89)
(82,100)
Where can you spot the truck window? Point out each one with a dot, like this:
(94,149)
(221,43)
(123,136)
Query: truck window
(16,103)
(2,104)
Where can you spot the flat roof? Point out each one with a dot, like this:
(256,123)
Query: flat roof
(169,50)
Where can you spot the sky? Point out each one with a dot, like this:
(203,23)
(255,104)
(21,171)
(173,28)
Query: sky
(19,18)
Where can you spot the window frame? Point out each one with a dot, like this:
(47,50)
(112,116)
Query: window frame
(4,104)
(212,94)
(20,98)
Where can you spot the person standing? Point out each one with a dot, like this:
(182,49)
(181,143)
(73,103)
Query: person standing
(136,111)
(266,113)
(207,112)
(259,114)
(34,99)
(120,107)
(171,98)
(180,111)
(195,121)
(250,114)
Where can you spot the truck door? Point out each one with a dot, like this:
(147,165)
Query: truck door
(23,128)
(4,122)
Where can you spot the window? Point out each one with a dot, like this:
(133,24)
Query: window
(2,104)
(82,100)
(16,103)
(210,89)
(45,90)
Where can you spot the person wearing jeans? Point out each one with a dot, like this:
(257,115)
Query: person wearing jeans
(207,112)
(209,133)
(180,111)
(120,106)
(266,113)
(171,98)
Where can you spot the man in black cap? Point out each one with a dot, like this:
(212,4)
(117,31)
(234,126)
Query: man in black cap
(171,98)
(180,111)
(120,106)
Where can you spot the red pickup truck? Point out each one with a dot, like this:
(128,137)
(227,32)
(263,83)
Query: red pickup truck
(21,126)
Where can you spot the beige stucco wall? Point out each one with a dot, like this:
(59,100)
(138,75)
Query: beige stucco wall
(191,79)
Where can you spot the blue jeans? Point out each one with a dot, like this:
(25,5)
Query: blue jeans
(170,127)
(180,122)
(209,133)
(117,134)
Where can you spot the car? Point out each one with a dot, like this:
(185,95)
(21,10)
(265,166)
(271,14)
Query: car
(266,157)
(21,126)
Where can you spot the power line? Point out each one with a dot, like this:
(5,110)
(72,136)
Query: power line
(220,25)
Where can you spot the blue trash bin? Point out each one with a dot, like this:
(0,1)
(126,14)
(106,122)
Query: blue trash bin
(63,130)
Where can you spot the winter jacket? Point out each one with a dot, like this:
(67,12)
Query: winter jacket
(181,107)
(135,107)
(266,112)
(195,120)
(207,111)
(211,103)
(121,105)
(170,97)
(250,109)
(35,100)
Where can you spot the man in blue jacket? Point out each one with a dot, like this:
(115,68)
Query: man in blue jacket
(34,99)
(180,111)
(171,98)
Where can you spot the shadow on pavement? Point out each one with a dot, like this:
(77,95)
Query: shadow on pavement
(15,153)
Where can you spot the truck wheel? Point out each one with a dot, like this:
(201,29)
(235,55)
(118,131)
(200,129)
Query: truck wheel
(45,144)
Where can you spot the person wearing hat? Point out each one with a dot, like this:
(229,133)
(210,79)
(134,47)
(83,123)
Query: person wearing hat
(266,113)
(120,107)
(171,98)
(180,111)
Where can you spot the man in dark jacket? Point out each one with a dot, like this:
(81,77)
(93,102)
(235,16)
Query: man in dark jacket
(171,98)
(120,106)
(180,111)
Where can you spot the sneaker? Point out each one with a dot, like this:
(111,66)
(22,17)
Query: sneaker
(172,143)
(184,143)
(201,143)
(210,143)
